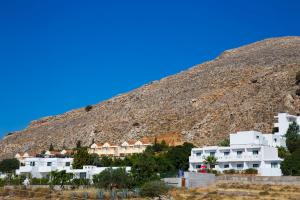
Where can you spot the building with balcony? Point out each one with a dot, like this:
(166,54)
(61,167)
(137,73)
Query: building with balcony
(122,150)
(283,120)
(249,149)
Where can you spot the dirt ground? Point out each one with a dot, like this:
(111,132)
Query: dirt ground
(228,191)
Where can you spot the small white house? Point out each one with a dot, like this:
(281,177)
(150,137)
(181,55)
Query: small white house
(41,167)
(283,120)
(248,149)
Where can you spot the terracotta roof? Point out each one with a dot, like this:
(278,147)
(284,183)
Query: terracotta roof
(131,142)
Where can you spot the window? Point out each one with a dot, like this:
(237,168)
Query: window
(212,153)
(226,166)
(239,153)
(198,166)
(32,163)
(212,166)
(198,154)
(275,140)
(240,166)
(255,152)
(49,164)
(82,175)
(68,164)
(255,165)
(274,165)
(257,137)
(226,153)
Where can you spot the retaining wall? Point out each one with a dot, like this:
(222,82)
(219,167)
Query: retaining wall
(274,180)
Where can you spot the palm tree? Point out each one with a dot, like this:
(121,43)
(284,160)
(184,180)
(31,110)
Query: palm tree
(210,160)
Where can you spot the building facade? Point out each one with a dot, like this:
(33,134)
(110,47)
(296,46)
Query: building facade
(42,167)
(248,149)
(122,150)
(283,120)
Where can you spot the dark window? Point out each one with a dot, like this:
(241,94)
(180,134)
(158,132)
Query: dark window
(32,164)
(198,154)
(212,166)
(212,153)
(239,153)
(226,166)
(275,140)
(257,137)
(49,164)
(198,166)
(82,175)
(255,165)
(68,164)
(274,165)
(240,165)
(255,152)
(226,153)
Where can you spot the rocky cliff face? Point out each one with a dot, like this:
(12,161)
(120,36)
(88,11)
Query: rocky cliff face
(242,89)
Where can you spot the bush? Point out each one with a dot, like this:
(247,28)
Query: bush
(225,143)
(298,77)
(154,189)
(88,108)
(2,182)
(39,181)
(297,92)
(250,171)
(78,182)
(230,171)
(283,152)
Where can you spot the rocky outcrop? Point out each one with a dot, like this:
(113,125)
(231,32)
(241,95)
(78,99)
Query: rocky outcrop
(242,89)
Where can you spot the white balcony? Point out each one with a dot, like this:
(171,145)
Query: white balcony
(45,169)
(229,158)
(25,169)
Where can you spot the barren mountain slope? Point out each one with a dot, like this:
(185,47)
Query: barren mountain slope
(242,89)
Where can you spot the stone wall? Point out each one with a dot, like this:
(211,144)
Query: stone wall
(275,180)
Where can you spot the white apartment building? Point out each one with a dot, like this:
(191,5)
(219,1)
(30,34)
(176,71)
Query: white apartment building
(283,120)
(41,167)
(249,149)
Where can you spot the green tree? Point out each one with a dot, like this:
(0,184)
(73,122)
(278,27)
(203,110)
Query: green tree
(60,178)
(210,160)
(283,152)
(9,165)
(291,164)
(293,137)
(106,161)
(82,157)
(113,178)
(144,168)
(225,143)
(95,160)
(179,156)
(51,148)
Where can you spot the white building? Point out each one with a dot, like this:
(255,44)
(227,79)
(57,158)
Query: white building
(41,167)
(249,149)
(283,122)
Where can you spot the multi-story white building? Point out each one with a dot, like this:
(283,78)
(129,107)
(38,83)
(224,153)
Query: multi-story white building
(283,122)
(249,149)
(42,167)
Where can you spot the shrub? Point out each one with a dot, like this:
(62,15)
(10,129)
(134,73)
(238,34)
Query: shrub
(298,77)
(293,137)
(250,171)
(297,92)
(88,108)
(154,189)
(39,181)
(230,171)
(2,182)
(78,182)
(225,143)
(283,152)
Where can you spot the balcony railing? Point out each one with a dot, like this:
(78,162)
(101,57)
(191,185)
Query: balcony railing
(228,158)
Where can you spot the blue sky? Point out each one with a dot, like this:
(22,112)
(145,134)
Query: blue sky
(59,55)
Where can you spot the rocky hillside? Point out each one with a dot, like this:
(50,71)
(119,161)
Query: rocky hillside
(241,89)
